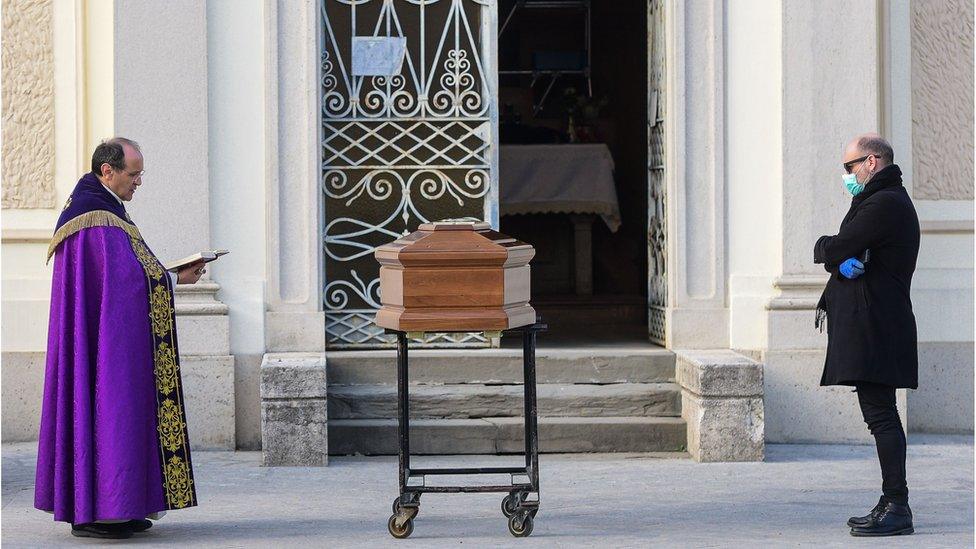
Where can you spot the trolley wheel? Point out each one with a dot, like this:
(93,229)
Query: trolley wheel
(520,525)
(509,506)
(397,508)
(400,532)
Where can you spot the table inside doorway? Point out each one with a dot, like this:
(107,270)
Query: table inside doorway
(575,179)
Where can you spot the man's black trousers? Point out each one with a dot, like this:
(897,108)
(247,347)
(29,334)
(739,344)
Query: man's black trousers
(880,413)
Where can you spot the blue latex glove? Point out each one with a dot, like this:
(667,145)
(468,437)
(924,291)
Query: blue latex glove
(852,268)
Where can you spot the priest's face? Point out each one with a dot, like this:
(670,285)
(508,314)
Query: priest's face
(124,182)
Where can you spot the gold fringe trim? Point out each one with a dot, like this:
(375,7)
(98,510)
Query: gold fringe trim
(96,218)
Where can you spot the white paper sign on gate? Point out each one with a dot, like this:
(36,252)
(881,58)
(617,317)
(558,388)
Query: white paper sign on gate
(378,55)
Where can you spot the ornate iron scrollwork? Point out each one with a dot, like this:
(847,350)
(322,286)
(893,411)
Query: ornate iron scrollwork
(399,150)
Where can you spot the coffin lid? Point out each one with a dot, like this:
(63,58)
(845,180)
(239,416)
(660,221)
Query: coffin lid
(462,224)
(445,242)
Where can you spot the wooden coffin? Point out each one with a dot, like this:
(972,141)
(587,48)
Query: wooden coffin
(454,276)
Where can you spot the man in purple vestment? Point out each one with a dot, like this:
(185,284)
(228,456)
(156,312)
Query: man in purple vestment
(113,448)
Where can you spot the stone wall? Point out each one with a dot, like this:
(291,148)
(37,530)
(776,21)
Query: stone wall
(943,402)
(28,104)
(22,380)
(942,99)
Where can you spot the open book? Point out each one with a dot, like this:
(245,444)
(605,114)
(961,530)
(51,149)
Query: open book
(206,256)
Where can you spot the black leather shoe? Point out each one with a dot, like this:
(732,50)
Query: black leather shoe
(101,531)
(139,525)
(893,520)
(866,519)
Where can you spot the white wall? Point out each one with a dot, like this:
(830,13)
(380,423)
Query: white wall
(942,288)
(236,140)
(798,80)
(754,166)
(237,128)
(802,79)
(26,280)
(161,102)
(162,99)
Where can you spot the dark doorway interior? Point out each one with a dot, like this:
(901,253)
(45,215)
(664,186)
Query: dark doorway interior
(552,37)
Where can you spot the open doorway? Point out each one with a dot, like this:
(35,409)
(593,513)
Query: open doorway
(573,160)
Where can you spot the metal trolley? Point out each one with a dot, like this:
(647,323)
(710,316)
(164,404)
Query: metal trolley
(522,502)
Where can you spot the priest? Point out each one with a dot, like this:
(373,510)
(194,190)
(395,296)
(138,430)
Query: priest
(113,449)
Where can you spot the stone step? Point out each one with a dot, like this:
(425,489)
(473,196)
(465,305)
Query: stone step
(625,363)
(506,435)
(481,401)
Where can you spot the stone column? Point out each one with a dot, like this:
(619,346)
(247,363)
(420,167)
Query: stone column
(203,326)
(697,315)
(160,100)
(293,381)
(831,92)
(294,321)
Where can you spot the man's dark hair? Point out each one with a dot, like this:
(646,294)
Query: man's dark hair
(111,152)
(877,146)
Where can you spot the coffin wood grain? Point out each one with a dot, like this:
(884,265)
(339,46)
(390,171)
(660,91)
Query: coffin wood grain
(447,277)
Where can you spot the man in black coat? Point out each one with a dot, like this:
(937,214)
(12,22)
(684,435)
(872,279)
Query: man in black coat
(871,334)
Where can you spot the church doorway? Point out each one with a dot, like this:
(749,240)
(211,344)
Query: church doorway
(546,116)
(581,161)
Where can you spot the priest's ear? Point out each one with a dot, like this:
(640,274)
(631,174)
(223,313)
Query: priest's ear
(105,170)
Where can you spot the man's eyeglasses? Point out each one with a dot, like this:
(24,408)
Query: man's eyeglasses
(848,166)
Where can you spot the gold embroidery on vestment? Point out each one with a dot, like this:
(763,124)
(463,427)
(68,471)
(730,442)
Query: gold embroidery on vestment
(149,263)
(160,311)
(177,471)
(171,426)
(166,369)
(180,483)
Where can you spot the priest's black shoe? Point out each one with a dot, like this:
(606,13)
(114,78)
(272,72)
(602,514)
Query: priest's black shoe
(138,525)
(866,519)
(101,531)
(893,520)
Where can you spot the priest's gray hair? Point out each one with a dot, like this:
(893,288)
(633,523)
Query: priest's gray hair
(111,152)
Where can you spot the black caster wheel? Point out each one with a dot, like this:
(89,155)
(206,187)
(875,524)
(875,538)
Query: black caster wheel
(520,525)
(403,531)
(509,506)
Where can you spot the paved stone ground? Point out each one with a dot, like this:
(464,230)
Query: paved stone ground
(801,496)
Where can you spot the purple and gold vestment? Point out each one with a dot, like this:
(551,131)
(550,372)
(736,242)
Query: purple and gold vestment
(113,442)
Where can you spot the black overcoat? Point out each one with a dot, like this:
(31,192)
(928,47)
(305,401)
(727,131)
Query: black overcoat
(871,333)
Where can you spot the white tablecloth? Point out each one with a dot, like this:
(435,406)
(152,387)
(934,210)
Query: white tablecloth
(572,178)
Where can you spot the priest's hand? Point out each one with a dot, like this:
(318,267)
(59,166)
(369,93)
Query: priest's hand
(191,273)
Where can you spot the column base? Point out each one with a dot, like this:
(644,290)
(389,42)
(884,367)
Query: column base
(697,328)
(722,405)
(294,410)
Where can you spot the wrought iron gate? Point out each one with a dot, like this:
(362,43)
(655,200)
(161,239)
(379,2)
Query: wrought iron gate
(403,149)
(657,286)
